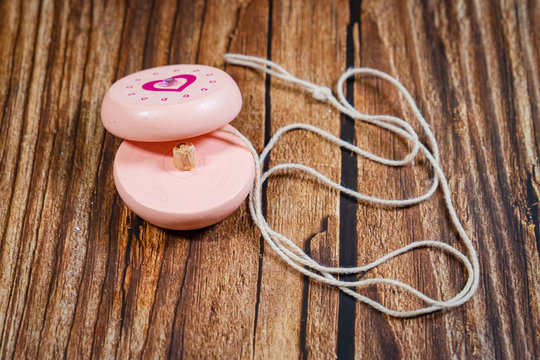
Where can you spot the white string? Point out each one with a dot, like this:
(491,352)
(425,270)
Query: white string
(294,255)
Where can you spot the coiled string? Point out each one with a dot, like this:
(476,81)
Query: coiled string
(294,255)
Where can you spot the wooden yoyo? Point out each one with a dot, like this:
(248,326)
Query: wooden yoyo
(177,168)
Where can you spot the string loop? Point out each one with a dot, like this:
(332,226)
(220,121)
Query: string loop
(294,256)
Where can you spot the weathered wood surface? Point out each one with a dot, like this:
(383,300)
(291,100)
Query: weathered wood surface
(81,276)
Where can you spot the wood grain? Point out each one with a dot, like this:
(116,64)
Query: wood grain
(81,276)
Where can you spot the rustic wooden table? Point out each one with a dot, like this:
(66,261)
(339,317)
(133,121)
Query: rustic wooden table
(82,276)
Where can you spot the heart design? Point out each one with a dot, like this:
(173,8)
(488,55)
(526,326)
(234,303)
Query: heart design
(150,86)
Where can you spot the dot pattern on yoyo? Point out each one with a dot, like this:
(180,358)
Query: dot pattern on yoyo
(190,82)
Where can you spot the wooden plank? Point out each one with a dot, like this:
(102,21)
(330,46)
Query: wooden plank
(284,312)
(222,267)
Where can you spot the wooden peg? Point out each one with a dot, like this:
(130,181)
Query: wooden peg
(184,157)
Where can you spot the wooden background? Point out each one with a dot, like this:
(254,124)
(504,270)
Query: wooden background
(82,276)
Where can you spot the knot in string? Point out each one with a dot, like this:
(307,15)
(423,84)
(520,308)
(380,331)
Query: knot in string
(322,93)
(294,256)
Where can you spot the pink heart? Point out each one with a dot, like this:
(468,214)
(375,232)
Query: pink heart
(188,77)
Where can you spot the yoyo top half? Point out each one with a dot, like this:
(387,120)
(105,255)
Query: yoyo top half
(170,103)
